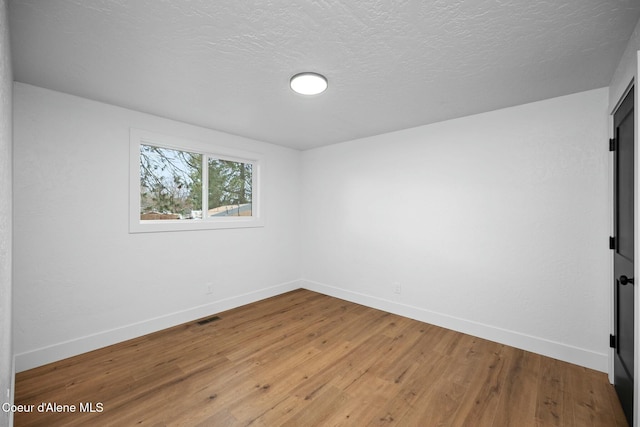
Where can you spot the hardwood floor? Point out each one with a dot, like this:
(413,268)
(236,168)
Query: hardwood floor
(305,359)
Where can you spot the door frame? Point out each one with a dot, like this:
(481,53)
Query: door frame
(636,317)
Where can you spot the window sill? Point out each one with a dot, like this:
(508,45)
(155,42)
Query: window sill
(158,226)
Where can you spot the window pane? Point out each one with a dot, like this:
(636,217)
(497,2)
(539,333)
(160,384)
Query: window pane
(170,184)
(230,188)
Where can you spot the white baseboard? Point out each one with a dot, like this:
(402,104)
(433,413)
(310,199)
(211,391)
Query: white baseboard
(53,353)
(556,350)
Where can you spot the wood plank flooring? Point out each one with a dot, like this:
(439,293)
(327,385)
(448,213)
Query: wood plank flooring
(305,359)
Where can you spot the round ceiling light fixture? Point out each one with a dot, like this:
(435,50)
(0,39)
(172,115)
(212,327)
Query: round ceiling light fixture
(308,83)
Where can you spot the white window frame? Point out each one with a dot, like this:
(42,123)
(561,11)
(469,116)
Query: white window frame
(140,137)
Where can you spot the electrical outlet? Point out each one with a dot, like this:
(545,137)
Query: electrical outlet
(397,289)
(209,289)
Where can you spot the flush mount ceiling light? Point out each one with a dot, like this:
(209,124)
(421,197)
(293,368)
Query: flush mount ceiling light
(308,83)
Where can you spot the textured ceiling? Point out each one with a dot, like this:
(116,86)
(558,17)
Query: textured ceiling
(390,64)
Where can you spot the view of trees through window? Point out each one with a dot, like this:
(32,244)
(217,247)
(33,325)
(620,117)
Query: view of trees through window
(171,185)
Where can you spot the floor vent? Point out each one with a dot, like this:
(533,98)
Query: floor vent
(209,320)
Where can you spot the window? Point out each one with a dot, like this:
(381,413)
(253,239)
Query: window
(188,185)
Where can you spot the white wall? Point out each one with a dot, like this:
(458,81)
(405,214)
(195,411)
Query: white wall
(626,73)
(6,354)
(494,224)
(81,280)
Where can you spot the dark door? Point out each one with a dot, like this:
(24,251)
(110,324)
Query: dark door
(623,253)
